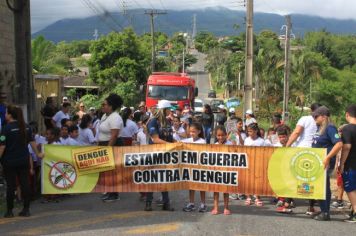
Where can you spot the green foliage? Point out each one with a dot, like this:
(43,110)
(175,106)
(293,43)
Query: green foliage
(117,57)
(74,48)
(204,41)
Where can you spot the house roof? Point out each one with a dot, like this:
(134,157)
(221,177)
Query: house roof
(78,82)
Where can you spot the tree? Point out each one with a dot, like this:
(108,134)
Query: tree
(47,59)
(118,57)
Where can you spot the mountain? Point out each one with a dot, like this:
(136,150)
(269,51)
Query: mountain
(219,21)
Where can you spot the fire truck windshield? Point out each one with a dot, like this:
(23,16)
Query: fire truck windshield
(168,92)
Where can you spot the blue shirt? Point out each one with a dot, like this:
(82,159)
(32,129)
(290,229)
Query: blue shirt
(164,133)
(327,140)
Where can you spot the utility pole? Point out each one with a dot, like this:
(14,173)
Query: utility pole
(194,32)
(183,66)
(152,13)
(288,27)
(249,57)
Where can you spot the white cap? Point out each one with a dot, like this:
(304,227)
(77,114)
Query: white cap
(232,109)
(65,98)
(123,108)
(163,104)
(249,111)
(92,108)
(221,106)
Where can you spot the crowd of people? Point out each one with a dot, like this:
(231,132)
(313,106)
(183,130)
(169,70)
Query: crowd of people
(114,125)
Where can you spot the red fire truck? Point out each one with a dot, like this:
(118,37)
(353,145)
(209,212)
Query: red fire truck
(178,88)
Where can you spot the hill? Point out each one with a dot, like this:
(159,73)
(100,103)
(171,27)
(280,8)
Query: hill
(219,20)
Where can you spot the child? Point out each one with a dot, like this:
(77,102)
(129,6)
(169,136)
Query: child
(238,137)
(284,205)
(52,137)
(221,137)
(178,131)
(196,136)
(254,139)
(64,134)
(73,136)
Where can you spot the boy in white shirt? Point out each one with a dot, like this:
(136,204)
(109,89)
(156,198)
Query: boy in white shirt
(73,136)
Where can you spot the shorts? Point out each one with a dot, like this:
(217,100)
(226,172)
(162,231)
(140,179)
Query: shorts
(349,178)
(339,180)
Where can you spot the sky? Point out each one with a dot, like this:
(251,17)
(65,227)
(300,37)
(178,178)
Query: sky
(45,12)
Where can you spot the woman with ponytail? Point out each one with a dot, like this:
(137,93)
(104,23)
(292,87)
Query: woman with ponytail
(15,158)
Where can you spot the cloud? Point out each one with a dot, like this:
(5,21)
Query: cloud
(45,12)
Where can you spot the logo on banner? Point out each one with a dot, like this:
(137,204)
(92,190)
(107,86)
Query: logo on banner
(62,175)
(90,160)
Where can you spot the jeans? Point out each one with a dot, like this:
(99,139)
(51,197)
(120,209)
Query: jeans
(207,134)
(325,204)
(10,174)
(165,197)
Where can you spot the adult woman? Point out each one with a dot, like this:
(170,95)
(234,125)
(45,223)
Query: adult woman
(81,111)
(86,134)
(326,137)
(208,122)
(109,130)
(15,158)
(160,131)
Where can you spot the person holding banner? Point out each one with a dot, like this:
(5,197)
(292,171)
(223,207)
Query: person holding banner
(254,139)
(196,136)
(327,137)
(221,137)
(15,158)
(160,131)
(109,130)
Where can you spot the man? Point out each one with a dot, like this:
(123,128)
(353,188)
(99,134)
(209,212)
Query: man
(62,114)
(348,159)
(304,131)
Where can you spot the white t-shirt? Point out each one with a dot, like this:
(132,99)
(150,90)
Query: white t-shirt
(130,130)
(63,140)
(190,140)
(306,137)
(176,133)
(59,116)
(228,142)
(107,123)
(142,137)
(72,142)
(235,137)
(277,145)
(86,137)
(259,142)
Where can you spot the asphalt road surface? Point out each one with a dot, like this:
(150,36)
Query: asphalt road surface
(86,214)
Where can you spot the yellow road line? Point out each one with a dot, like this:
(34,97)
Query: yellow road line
(79,223)
(154,229)
(41,215)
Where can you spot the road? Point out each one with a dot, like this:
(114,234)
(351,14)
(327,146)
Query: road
(85,214)
(197,71)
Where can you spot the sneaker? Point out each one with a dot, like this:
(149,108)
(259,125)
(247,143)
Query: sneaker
(280,203)
(234,196)
(242,196)
(104,196)
(148,206)
(322,217)
(283,209)
(203,208)
(351,219)
(338,204)
(167,207)
(9,214)
(189,207)
(310,211)
(159,202)
(112,197)
(25,213)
